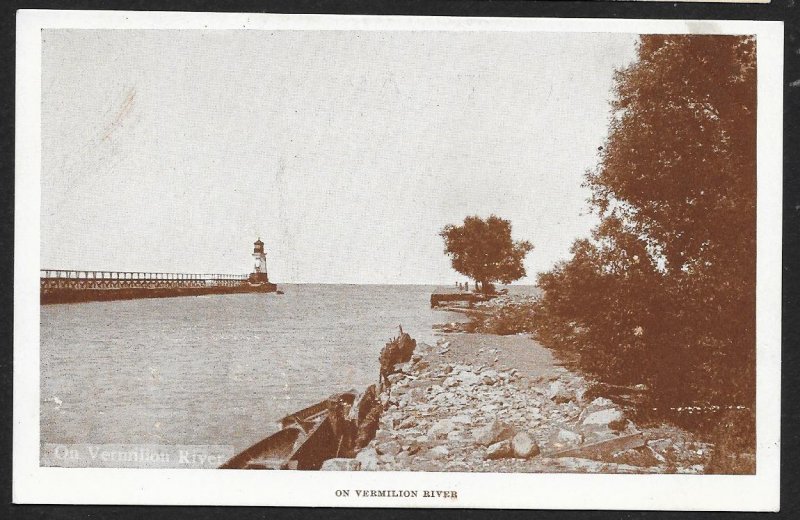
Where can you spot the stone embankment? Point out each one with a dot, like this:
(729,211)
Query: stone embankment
(459,406)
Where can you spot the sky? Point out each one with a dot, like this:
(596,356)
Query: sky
(344,151)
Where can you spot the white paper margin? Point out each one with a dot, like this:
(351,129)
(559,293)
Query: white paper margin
(34,484)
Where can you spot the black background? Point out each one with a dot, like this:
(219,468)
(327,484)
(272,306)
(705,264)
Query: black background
(785,10)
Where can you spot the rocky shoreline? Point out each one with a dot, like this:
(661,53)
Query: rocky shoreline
(459,406)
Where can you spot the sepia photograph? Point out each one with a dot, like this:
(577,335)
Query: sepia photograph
(306,246)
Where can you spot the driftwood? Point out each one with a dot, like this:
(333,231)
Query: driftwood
(354,425)
(342,428)
(603,448)
(398,350)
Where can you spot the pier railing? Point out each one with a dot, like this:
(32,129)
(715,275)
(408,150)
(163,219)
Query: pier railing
(51,279)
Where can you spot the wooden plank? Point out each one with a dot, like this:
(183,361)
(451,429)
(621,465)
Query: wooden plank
(602,448)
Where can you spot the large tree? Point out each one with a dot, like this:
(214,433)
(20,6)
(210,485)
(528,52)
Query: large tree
(484,250)
(664,291)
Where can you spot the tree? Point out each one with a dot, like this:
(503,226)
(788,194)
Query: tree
(484,251)
(664,291)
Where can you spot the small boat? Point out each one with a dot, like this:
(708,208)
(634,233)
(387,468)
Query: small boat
(304,441)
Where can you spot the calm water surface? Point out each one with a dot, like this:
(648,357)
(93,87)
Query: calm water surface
(214,369)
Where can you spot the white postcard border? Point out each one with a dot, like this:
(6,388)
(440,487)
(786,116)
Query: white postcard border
(34,484)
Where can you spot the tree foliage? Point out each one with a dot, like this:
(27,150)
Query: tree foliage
(664,291)
(484,250)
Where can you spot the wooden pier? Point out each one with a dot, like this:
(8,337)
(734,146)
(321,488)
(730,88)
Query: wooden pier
(67,286)
(448,296)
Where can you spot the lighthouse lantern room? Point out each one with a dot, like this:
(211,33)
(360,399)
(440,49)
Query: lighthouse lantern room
(259,273)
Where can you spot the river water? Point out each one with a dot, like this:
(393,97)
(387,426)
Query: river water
(216,370)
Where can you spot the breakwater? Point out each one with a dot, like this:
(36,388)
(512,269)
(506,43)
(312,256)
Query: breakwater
(62,286)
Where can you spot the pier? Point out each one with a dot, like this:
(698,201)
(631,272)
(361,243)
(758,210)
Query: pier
(71,286)
(67,286)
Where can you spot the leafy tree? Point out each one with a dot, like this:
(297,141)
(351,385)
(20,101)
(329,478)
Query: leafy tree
(484,250)
(664,291)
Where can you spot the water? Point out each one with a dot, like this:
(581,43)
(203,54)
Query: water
(214,369)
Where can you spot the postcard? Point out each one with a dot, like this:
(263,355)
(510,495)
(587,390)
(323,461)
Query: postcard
(388,261)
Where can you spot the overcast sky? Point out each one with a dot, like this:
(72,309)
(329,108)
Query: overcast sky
(346,152)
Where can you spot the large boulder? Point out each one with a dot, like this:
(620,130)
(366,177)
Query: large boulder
(603,417)
(467,378)
(524,446)
(567,438)
(368,458)
(493,432)
(341,465)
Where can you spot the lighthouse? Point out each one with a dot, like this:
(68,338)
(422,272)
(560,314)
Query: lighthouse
(259,273)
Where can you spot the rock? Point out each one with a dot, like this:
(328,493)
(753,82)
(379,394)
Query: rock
(601,402)
(386,459)
(435,390)
(341,465)
(389,448)
(489,372)
(493,433)
(462,419)
(394,378)
(554,388)
(408,422)
(488,408)
(439,452)
(368,458)
(562,398)
(468,378)
(441,428)
(454,436)
(499,450)
(382,435)
(421,365)
(660,445)
(559,393)
(402,367)
(403,457)
(568,438)
(523,446)
(603,417)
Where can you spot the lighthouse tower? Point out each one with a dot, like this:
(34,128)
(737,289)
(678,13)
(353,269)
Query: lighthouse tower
(259,273)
